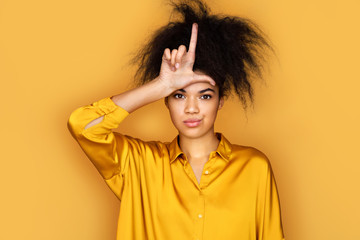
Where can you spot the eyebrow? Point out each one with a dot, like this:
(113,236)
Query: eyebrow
(202,91)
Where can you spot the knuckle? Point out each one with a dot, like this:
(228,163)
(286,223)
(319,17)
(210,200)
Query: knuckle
(182,47)
(178,57)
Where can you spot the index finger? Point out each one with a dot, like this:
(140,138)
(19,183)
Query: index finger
(193,38)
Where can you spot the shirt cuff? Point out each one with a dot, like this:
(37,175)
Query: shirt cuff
(108,106)
(113,116)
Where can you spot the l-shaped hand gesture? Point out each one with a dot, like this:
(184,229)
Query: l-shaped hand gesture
(177,66)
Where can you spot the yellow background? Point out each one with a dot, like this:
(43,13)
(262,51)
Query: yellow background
(56,56)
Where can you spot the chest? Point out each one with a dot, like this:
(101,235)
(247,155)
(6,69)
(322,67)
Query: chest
(198,170)
(218,195)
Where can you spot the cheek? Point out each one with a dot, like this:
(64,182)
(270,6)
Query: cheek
(211,109)
(213,114)
(175,111)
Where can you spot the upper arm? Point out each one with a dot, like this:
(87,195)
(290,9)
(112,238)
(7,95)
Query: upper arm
(269,221)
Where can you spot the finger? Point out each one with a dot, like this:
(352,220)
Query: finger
(203,78)
(193,39)
(173,56)
(167,55)
(179,55)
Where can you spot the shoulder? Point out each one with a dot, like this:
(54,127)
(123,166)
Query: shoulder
(251,162)
(241,153)
(139,144)
(252,156)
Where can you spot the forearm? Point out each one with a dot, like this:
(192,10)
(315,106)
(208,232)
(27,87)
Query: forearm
(135,98)
(141,96)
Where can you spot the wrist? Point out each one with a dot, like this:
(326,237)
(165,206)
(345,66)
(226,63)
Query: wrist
(163,86)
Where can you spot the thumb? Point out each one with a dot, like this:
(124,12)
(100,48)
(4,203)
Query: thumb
(203,78)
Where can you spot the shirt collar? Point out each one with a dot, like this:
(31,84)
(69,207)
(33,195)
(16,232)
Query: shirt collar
(174,149)
(223,149)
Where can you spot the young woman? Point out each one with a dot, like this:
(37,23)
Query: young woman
(199,186)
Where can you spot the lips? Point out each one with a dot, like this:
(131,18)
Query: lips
(192,122)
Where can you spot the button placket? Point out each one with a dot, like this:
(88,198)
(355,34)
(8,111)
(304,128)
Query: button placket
(199,215)
(207,172)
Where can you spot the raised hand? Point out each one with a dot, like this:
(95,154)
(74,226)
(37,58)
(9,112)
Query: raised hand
(176,73)
(177,66)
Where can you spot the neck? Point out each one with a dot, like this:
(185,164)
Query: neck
(199,149)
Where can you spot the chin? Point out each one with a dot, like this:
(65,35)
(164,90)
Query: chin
(193,133)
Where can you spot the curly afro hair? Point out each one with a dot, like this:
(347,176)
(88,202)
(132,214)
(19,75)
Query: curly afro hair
(229,49)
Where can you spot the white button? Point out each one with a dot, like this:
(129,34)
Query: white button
(206,172)
(200,216)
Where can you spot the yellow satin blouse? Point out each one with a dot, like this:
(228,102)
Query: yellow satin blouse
(160,197)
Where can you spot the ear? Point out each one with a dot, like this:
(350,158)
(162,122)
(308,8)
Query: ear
(166,102)
(221,103)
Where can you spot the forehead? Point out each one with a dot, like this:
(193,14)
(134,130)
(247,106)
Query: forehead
(200,86)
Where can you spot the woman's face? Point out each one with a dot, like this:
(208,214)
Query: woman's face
(193,109)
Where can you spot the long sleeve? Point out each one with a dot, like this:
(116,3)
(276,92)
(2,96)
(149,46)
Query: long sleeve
(99,142)
(269,210)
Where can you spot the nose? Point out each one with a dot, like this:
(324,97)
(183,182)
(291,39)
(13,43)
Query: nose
(191,105)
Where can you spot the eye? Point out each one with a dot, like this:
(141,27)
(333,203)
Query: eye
(178,95)
(206,96)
